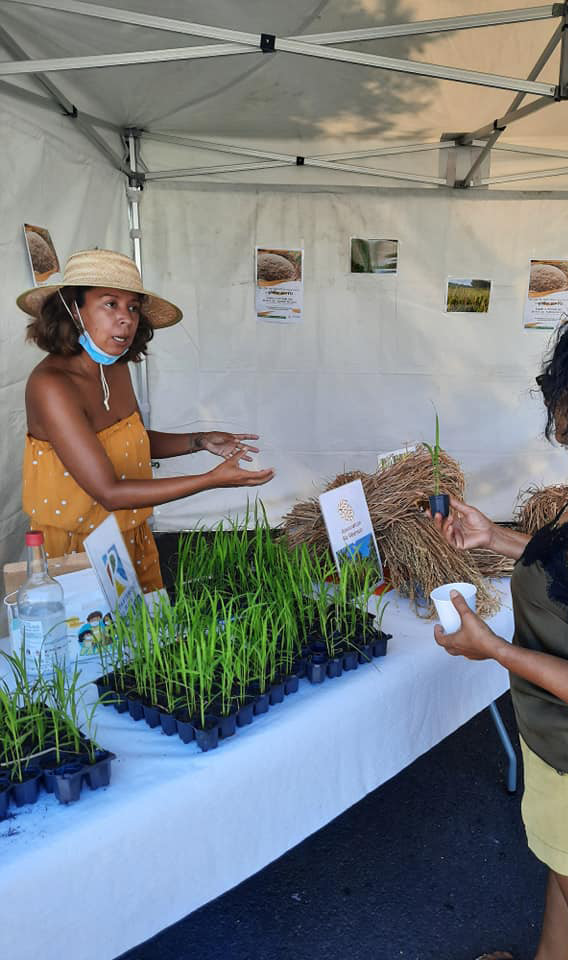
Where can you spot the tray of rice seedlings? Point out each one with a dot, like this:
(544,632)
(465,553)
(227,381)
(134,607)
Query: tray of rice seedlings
(47,737)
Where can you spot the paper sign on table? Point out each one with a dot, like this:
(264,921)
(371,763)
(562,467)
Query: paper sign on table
(348,524)
(112,564)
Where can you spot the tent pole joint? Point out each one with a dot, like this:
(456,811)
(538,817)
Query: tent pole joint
(268,42)
(300,161)
(73,113)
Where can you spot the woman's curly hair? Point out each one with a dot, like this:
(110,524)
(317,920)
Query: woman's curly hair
(55,332)
(553,381)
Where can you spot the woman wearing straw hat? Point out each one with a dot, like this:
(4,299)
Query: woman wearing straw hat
(87,452)
(537,660)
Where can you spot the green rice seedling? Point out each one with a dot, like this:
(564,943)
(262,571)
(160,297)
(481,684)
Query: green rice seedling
(434,451)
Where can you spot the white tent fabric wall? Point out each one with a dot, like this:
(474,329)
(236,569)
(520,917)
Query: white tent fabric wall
(51,178)
(360,374)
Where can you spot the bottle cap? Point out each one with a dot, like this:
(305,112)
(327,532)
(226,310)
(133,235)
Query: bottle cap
(34,538)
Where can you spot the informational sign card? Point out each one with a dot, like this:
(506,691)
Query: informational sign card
(279,278)
(348,525)
(112,564)
(546,303)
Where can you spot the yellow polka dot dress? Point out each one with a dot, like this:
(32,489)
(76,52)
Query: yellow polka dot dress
(66,514)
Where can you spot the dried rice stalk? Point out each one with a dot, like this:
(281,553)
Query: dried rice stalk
(418,558)
(539,505)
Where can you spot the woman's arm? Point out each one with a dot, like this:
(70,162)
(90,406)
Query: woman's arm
(77,446)
(164,445)
(466,528)
(476,641)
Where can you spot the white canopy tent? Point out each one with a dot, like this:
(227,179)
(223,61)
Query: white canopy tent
(234,123)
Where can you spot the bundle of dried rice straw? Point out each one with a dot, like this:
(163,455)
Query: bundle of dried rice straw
(538,505)
(418,558)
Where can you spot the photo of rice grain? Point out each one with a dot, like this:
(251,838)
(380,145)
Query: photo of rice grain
(467,295)
(278,266)
(548,277)
(374,256)
(43,258)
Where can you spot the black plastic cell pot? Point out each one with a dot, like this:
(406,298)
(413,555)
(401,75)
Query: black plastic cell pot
(291,683)
(27,790)
(68,782)
(380,644)
(350,660)
(207,736)
(299,666)
(365,652)
(439,503)
(135,708)
(334,667)
(168,723)
(185,728)
(97,774)
(227,725)
(316,668)
(276,693)
(318,646)
(151,716)
(261,703)
(245,714)
(4,801)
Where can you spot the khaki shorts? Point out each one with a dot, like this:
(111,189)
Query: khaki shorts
(545,811)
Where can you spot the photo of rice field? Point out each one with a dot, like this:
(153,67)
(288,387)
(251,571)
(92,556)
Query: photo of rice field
(468,296)
(374,256)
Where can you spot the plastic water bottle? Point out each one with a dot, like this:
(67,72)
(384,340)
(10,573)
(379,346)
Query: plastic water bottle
(41,612)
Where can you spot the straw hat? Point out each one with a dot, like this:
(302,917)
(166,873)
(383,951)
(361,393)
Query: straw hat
(103,268)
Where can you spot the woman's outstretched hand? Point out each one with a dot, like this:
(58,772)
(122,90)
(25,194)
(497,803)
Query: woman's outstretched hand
(474,640)
(231,474)
(465,527)
(228,444)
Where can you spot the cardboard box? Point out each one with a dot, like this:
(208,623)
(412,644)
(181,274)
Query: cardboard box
(15,573)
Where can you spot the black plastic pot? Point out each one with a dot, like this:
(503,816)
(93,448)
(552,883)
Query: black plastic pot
(185,728)
(227,725)
(4,801)
(245,714)
(439,503)
(334,667)
(318,646)
(135,708)
(276,693)
(97,774)
(365,652)
(103,690)
(299,666)
(151,715)
(68,782)
(350,660)
(168,723)
(27,790)
(380,644)
(291,683)
(261,703)
(208,736)
(316,668)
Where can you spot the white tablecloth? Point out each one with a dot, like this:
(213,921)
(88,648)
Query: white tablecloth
(178,827)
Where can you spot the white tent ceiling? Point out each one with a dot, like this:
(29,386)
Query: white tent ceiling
(289,103)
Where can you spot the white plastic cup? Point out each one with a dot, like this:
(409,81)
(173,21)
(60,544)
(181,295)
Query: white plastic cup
(447,613)
(11,604)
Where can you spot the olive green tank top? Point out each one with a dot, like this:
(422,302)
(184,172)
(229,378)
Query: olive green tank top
(539,586)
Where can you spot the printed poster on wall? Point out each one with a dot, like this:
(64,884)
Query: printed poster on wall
(348,525)
(279,279)
(546,304)
(41,252)
(112,564)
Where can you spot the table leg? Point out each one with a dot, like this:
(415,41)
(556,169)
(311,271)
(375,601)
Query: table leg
(507,746)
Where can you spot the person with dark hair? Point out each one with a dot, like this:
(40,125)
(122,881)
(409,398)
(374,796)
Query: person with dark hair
(537,660)
(87,452)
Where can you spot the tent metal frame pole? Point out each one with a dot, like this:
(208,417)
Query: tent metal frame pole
(133,192)
(505,120)
(51,104)
(67,108)
(414,28)
(528,151)
(515,104)
(289,46)
(533,175)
